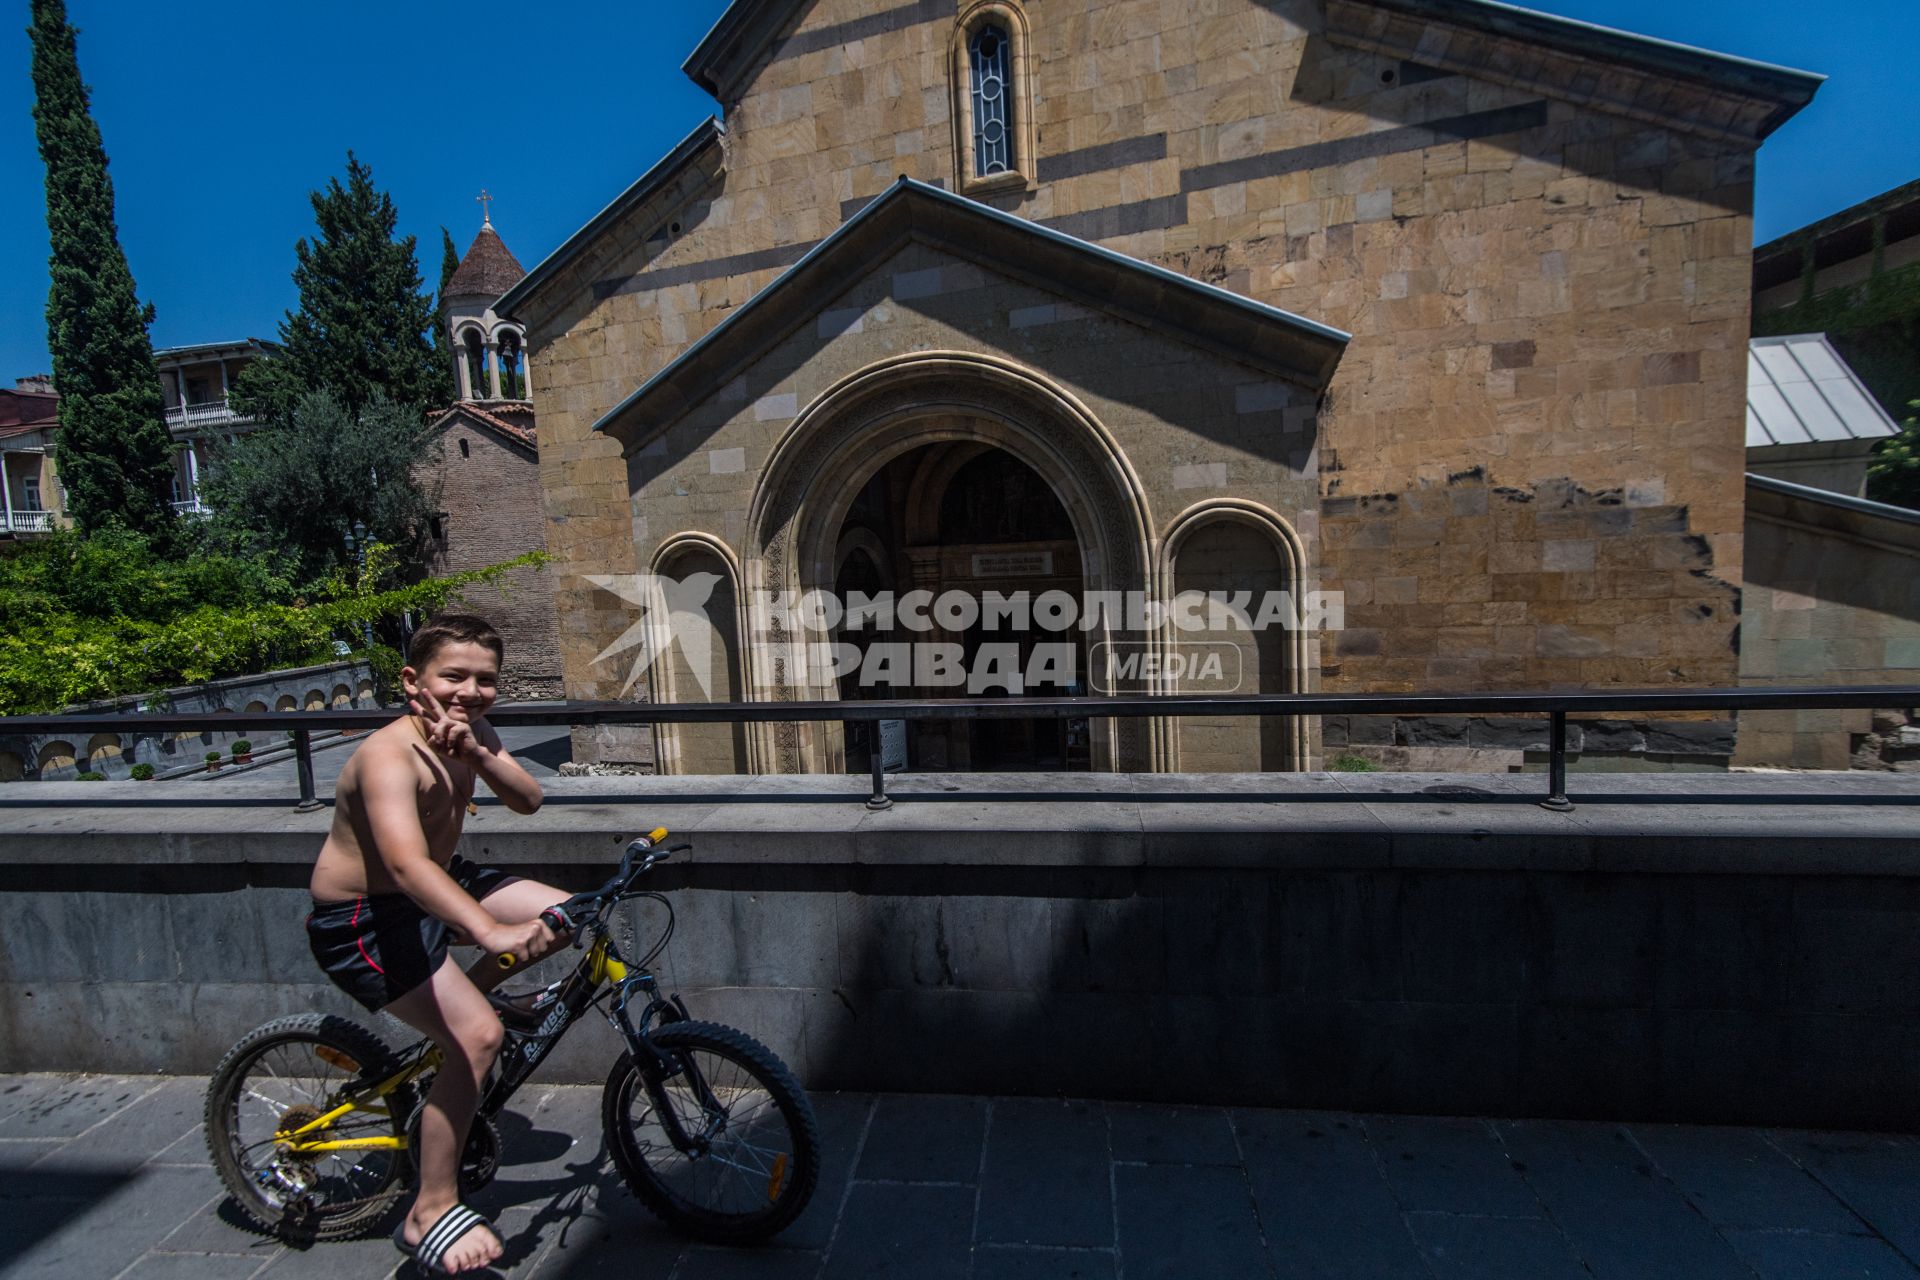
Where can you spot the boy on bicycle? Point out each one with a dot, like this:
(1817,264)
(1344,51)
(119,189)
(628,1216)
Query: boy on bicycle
(390,895)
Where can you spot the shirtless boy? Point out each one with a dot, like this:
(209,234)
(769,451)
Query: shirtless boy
(389,896)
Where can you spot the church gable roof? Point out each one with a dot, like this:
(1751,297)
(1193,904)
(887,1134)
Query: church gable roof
(1153,297)
(747,32)
(487,270)
(516,434)
(705,136)
(1641,77)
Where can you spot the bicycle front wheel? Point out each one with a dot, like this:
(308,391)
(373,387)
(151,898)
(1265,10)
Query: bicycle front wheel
(290,1073)
(747,1154)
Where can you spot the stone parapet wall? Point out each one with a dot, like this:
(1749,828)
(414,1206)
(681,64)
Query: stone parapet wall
(53,757)
(1730,950)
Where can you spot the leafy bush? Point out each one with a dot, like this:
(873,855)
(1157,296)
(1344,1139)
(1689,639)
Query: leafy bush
(90,776)
(1893,476)
(242,747)
(102,617)
(385,662)
(141,772)
(1346,762)
(213,757)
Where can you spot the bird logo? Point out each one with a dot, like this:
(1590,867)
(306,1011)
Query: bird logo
(673,610)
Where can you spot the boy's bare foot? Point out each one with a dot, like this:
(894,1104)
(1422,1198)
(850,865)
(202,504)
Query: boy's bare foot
(474,1245)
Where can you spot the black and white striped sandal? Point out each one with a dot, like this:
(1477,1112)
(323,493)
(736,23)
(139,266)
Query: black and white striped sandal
(440,1237)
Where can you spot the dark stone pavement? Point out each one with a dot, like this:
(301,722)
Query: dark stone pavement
(107,1176)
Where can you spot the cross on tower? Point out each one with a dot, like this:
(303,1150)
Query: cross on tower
(486,219)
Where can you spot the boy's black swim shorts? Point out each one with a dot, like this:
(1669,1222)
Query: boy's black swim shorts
(379,947)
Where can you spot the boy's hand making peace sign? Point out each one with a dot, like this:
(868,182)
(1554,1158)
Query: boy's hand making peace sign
(444,733)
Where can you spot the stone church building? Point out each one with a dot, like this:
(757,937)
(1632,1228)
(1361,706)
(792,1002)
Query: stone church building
(482,470)
(1438,304)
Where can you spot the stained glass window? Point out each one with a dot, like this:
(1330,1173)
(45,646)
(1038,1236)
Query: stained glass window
(992,113)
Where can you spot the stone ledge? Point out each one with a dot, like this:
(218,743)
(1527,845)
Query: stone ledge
(1735,824)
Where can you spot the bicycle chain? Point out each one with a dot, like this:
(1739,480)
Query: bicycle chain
(342,1208)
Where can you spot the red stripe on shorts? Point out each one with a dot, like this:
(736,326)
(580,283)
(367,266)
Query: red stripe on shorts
(362,942)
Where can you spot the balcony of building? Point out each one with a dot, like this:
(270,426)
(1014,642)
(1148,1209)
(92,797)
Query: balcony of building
(26,485)
(196,383)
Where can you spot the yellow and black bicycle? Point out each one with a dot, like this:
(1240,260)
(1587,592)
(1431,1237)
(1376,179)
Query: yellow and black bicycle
(310,1118)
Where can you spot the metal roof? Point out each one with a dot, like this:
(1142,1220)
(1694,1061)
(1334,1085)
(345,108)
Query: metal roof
(1799,391)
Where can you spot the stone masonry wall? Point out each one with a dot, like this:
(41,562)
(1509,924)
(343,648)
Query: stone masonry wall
(1555,296)
(493,503)
(1192,425)
(1833,597)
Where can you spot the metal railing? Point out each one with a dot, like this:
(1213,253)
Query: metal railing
(1555,706)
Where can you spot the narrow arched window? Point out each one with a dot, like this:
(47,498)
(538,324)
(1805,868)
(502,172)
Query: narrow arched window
(990,57)
(989,71)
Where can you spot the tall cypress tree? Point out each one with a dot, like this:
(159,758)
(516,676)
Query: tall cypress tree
(113,452)
(449,263)
(362,328)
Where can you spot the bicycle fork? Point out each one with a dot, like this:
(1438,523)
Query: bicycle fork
(657,1067)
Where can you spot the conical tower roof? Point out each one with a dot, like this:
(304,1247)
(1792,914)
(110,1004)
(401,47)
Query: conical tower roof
(487,270)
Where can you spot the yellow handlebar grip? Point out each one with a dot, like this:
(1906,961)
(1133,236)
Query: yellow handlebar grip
(506,960)
(656,835)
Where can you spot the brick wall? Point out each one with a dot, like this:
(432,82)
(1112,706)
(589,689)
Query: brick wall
(491,497)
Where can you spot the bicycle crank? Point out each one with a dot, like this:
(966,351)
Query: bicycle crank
(478,1163)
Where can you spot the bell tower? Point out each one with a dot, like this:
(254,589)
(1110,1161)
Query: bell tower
(490,353)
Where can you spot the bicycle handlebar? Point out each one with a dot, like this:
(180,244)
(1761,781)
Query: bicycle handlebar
(568,916)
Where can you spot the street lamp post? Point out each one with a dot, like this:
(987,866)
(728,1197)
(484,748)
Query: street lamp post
(356,538)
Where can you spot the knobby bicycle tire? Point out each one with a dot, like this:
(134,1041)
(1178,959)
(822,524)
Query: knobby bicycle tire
(349,1190)
(764,1162)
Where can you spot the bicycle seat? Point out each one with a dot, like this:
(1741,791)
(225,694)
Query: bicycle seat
(524,1011)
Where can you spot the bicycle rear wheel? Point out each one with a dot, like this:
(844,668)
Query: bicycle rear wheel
(754,1158)
(291,1072)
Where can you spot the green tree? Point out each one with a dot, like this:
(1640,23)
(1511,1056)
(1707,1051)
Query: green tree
(299,485)
(112,449)
(361,332)
(1894,474)
(449,263)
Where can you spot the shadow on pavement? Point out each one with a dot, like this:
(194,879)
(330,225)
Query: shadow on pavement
(35,1204)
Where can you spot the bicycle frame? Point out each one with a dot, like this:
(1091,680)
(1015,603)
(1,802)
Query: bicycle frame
(523,1052)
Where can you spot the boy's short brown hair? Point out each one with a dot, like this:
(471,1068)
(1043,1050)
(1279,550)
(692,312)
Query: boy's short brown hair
(452,628)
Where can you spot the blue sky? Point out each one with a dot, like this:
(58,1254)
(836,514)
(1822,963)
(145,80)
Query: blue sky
(220,116)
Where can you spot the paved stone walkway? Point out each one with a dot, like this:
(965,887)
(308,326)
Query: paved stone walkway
(107,1177)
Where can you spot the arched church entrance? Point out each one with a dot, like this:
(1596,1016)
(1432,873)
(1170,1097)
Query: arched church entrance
(954,470)
(967,524)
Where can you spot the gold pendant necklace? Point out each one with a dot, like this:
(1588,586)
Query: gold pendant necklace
(473,810)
